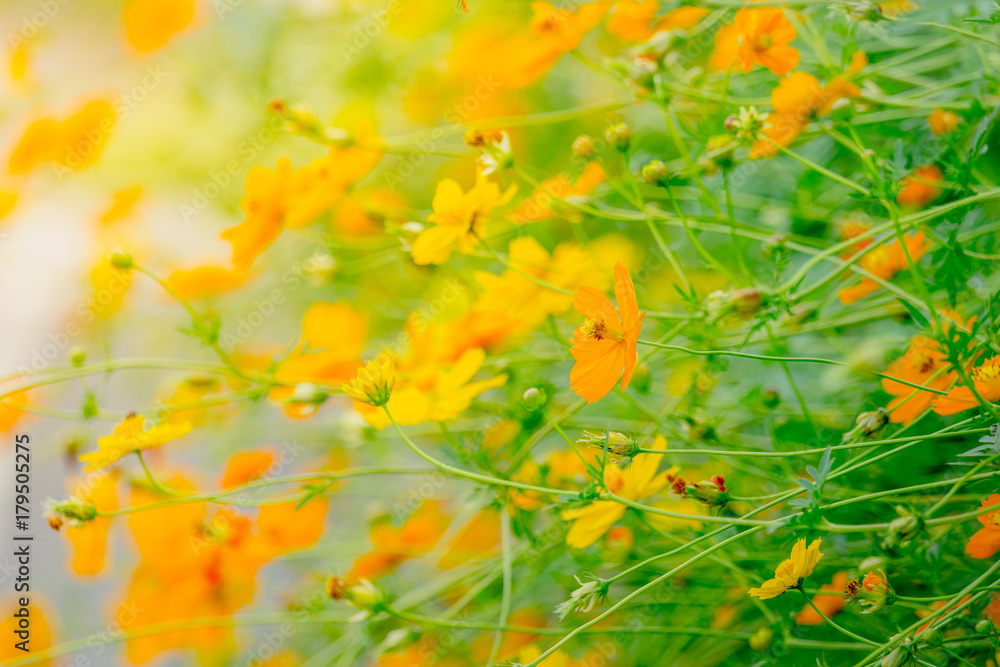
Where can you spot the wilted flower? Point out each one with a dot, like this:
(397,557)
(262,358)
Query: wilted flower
(903,528)
(621,447)
(77,510)
(361,594)
(587,596)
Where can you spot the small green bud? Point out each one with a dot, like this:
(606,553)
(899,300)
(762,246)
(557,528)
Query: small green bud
(535,399)
(761,640)
(984,627)
(619,136)
(656,173)
(583,146)
(932,637)
(770,397)
(77,356)
(120,259)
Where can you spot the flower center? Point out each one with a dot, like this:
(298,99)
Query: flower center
(987,373)
(599,330)
(763,43)
(922,362)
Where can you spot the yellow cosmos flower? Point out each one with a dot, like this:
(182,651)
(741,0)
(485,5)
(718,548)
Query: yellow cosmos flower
(373,384)
(791,571)
(131,436)
(637,481)
(460,219)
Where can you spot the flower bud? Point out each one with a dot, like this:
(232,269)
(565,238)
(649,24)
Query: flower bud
(747,301)
(77,356)
(619,136)
(583,146)
(761,640)
(621,447)
(984,627)
(361,594)
(770,397)
(656,173)
(896,658)
(535,399)
(77,510)
(712,493)
(870,423)
(373,384)
(120,259)
(903,529)
(932,637)
(873,593)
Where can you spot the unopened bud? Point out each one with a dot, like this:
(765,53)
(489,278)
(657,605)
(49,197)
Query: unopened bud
(761,640)
(770,397)
(535,399)
(77,356)
(120,259)
(619,136)
(583,146)
(656,173)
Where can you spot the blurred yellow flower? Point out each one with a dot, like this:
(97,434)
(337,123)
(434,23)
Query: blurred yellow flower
(122,204)
(128,437)
(90,539)
(791,571)
(74,143)
(149,24)
(204,281)
(460,219)
(636,482)
(433,392)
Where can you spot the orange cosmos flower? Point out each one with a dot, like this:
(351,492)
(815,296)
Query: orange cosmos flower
(554,32)
(604,346)
(558,188)
(921,187)
(830,600)
(90,539)
(885,262)
(986,541)
(940,604)
(75,142)
(759,36)
(392,546)
(460,219)
(986,380)
(799,99)
(922,361)
(149,24)
(204,281)
(943,122)
(286,197)
(637,21)
(850,229)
